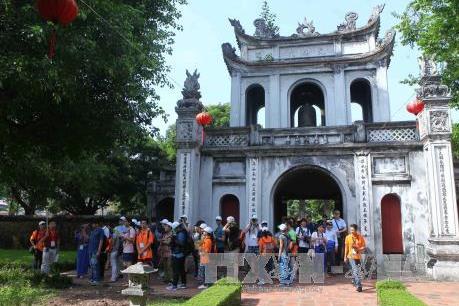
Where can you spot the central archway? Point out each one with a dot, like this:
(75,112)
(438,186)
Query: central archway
(313,187)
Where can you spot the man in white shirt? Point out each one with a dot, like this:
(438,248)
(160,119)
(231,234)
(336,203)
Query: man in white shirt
(251,235)
(128,245)
(340,227)
(304,236)
(332,245)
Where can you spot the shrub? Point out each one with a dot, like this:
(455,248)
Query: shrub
(390,284)
(224,292)
(21,295)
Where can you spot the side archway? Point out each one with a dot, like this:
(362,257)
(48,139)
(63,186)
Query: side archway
(255,105)
(361,100)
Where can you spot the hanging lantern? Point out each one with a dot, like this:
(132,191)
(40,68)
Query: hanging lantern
(204,118)
(415,107)
(57,11)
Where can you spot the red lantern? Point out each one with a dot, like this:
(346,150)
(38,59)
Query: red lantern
(415,107)
(204,118)
(57,11)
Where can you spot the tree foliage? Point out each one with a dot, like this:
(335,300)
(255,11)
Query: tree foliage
(269,17)
(433,26)
(220,114)
(63,120)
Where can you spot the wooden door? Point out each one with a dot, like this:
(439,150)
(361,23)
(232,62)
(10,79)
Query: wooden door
(229,206)
(391,219)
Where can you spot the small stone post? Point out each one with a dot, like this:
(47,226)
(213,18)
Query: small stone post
(137,291)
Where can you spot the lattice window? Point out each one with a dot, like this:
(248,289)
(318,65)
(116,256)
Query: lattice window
(392,135)
(226,140)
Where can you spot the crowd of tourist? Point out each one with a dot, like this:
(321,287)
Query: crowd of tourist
(166,245)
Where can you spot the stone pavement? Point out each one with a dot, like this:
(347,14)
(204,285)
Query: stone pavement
(435,293)
(336,291)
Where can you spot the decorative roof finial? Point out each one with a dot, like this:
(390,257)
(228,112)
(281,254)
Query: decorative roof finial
(262,30)
(236,25)
(191,86)
(377,10)
(349,24)
(309,26)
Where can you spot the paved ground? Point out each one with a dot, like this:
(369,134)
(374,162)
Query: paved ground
(435,293)
(336,291)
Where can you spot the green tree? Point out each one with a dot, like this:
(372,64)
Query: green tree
(269,17)
(433,26)
(220,114)
(96,94)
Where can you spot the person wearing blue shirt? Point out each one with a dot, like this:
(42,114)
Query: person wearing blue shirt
(95,245)
(178,250)
(219,235)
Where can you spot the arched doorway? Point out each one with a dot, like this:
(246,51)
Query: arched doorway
(361,96)
(391,224)
(255,105)
(307,105)
(165,209)
(229,206)
(312,189)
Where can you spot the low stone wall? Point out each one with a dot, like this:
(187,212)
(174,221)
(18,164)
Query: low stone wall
(15,231)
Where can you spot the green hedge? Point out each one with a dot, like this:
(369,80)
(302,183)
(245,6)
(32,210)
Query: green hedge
(225,292)
(394,293)
(23,259)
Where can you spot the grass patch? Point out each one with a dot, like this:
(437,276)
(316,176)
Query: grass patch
(22,258)
(166,302)
(394,293)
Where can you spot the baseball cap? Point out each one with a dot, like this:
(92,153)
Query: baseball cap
(123,218)
(203,226)
(208,229)
(282,227)
(264,229)
(41,223)
(134,221)
(219,218)
(254,216)
(168,223)
(264,222)
(175,224)
(183,217)
(164,221)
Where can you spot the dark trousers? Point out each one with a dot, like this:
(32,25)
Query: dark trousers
(37,259)
(339,254)
(155,256)
(103,261)
(195,254)
(330,259)
(178,270)
(303,250)
(221,250)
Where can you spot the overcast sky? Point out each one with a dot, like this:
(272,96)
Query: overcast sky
(206,27)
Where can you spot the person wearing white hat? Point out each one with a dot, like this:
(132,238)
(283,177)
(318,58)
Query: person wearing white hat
(178,250)
(165,221)
(219,235)
(37,240)
(284,269)
(128,243)
(205,249)
(251,235)
(232,233)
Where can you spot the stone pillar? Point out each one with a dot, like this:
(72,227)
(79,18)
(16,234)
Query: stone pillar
(435,133)
(341,108)
(189,137)
(381,104)
(235,118)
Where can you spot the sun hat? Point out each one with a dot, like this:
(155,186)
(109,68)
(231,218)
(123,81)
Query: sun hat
(203,226)
(282,227)
(41,223)
(208,229)
(164,221)
(219,218)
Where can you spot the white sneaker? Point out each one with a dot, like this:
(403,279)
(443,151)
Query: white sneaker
(171,288)
(203,287)
(155,270)
(181,286)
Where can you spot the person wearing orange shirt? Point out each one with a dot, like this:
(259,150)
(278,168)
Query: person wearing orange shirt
(207,246)
(144,242)
(37,240)
(267,245)
(354,247)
